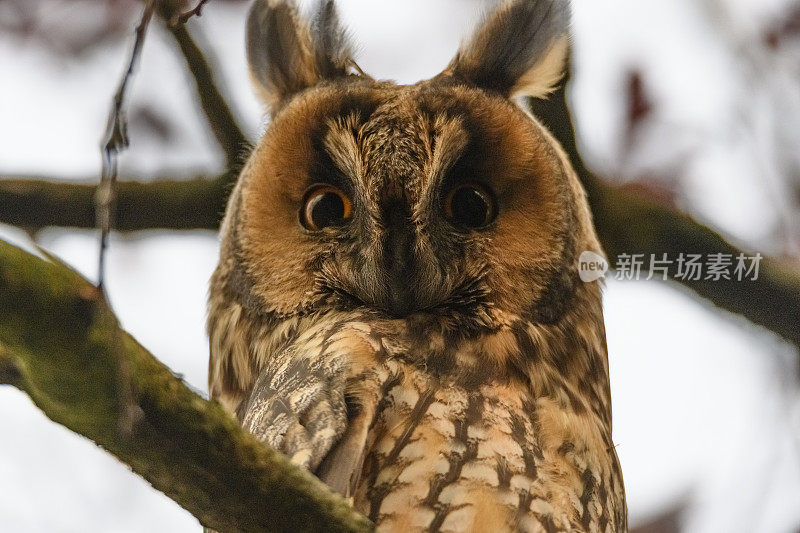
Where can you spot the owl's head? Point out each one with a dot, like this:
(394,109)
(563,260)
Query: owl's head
(442,198)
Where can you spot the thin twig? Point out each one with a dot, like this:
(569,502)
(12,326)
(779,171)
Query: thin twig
(184,17)
(116,140)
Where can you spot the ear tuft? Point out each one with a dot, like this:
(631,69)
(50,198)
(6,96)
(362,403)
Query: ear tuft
(332,46)
(278,51)
(286,56)
(519,50)
(542,79)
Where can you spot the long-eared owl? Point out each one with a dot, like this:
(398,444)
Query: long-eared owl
(397,305)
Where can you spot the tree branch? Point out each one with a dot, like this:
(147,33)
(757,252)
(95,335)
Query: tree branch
(629,223)
(179,204)
(67,352)
(215,106)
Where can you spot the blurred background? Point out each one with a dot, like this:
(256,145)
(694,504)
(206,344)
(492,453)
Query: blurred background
(696,102)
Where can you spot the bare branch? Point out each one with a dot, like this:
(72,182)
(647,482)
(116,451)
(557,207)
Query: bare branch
(158,203)
(213,102)
(67,352)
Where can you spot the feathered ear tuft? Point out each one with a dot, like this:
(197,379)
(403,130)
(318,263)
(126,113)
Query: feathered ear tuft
(519,50)
(287,55)
(332,46)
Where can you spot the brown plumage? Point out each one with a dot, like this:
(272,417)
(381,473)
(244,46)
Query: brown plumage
(397,305)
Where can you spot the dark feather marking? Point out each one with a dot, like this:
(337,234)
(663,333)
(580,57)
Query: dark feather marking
(474,412)
(525,346)
(548,523)
(381,354)
(391,382)
(559,294)
(504,473)
(596,370)
(603,518)
(566,447)
(529,408)
(327,338)
(576,402)
(520,436)
(323,169)
(378,492)
(441,362)
(589,485)
(360,105)
(414,418)
(441,515)
(524,507)
(456,461)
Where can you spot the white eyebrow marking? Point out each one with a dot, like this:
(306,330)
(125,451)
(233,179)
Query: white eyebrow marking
(344,146)
(450,139)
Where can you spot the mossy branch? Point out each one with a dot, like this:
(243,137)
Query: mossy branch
(62,345)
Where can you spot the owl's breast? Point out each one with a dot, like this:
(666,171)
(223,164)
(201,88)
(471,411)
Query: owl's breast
(450,457)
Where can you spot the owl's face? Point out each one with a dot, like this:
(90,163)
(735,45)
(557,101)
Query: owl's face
(442,198)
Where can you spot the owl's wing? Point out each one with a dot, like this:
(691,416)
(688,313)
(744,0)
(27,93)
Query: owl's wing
(298,408)
(298,402)
(342,468)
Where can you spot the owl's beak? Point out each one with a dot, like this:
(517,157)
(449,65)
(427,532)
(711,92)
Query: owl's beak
(398,273)
(401,298)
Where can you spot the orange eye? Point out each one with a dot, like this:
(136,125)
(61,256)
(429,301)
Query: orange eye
(324,206)
(470,206)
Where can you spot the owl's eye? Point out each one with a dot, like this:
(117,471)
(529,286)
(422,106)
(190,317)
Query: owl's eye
(470,206)
(324,206)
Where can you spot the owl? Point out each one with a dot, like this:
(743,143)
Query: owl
(397,305)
